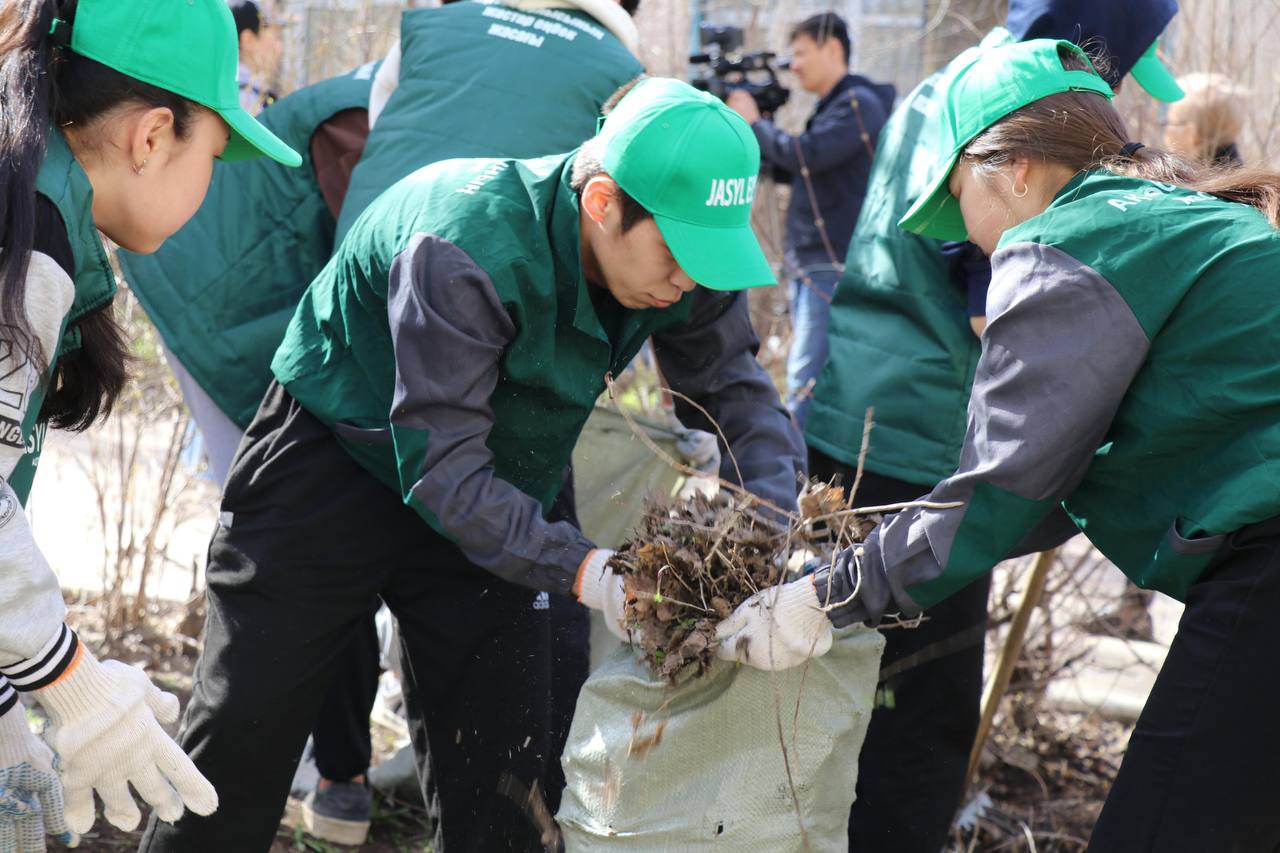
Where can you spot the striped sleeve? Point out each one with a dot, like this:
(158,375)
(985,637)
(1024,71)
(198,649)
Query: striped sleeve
(8,696)
(45,667)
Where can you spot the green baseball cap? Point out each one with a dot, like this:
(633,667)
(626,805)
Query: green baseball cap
(998,81)
(692,162)
(1152,75)
(188,47)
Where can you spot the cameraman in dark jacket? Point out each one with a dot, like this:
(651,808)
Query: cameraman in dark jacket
(828,166)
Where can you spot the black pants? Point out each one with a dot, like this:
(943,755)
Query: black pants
(1200,771)
(341,743)
(307,543)
(911,769)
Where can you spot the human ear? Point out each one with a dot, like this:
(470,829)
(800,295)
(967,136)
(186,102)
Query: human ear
(248,46)
(598,198)
(835,50)
(1020,172)
(151,133)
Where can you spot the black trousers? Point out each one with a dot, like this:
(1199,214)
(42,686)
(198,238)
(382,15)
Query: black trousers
(308,542)
(341,744)
(911,769)
(1200,771)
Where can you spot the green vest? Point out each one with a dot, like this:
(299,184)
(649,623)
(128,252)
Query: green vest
(538,96)
(1196,442)
(518,221)
(222,290)
(1193,451)
(63,182)
(899,333)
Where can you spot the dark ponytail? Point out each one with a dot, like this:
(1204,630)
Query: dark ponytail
(41,83)
(1082,130)
(26,57)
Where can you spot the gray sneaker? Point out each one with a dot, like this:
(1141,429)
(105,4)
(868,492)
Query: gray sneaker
(339,813)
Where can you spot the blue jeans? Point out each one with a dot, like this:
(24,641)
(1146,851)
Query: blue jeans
(809,311)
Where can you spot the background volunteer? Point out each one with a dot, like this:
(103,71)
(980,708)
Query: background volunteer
(901,341)
(1206,124)
(1130,374)
(223,289)
(260,52)
(91,147)
(827,166)
(481,387)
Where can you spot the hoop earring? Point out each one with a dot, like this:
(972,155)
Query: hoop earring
(1025,189)
(139,170)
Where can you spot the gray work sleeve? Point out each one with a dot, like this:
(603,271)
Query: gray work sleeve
(35,645)
(712,360)
(449,330)
(1058,355)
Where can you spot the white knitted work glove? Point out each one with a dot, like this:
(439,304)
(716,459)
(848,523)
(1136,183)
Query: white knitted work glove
(106,730)
(777,628)
(30,791)
(598,587)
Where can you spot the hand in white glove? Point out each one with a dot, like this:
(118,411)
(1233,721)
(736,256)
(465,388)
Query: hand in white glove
(30,791)
(600,588)
(106,730)
(777,628)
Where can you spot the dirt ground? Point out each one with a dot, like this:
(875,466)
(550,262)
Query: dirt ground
(1046,779)
(168,654)
(1040,786)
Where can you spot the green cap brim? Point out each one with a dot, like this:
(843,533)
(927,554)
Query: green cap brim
(249,138)
(936,213)
(1152,75)
(718,258)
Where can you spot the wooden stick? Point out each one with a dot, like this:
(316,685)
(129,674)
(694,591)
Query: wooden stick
(885,508)
(999,682)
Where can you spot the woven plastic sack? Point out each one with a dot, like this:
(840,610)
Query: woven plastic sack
(699,765)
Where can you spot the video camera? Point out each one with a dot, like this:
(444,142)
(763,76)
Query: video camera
(723,67)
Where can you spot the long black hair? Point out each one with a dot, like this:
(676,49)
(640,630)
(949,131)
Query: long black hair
(43,82)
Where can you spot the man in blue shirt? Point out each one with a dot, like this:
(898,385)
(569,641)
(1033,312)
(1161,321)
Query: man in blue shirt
(827,166)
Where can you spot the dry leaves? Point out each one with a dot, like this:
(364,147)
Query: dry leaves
(689,565)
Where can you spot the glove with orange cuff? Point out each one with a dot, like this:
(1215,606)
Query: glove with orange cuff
(105,719)
(600,588)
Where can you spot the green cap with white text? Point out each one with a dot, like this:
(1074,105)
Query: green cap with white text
(692,162)
(998,81)
(188,47)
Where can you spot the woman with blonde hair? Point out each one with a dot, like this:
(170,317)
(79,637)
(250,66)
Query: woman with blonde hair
(1205,125)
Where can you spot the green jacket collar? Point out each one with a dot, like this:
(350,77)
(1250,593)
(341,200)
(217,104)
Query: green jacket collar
(65,183)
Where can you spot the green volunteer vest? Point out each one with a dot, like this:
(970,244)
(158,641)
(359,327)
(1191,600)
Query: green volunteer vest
(547,75)
(518,221)
(62,181)
(899,333)
(1193,452)
(222,290)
